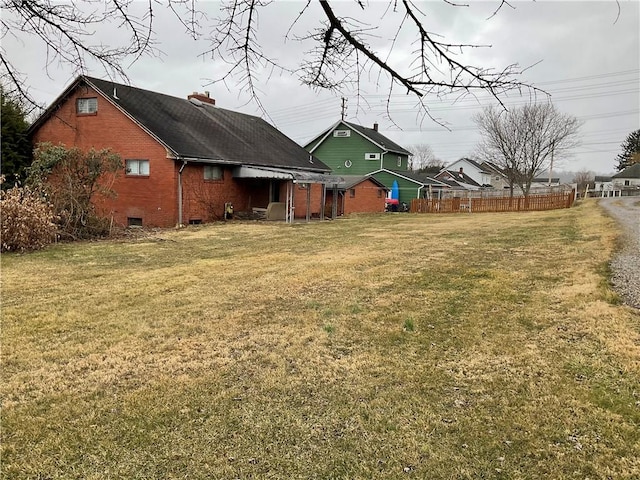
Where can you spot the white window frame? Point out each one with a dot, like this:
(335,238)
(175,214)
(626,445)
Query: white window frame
(399,162)
(212,175)
(372,156)
(87,105)
(342,133)
(137,167)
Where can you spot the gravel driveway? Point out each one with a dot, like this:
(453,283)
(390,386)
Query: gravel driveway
(625,265)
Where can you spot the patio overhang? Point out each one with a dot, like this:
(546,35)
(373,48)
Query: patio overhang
(296,176)
(292,176)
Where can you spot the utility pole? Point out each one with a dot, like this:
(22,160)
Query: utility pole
(553,147)
(344,107)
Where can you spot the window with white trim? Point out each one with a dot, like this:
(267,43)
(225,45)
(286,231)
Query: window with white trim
(372,156)
(342,133)
(213,172)
(85,106)
(399,163)
(137,167)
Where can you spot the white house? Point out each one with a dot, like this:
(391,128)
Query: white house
(472,169)
(602,186)
(498,180)
(627,179)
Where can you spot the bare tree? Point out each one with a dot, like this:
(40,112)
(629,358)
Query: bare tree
(423,159)
(583,178)
(525,140)
(342,51)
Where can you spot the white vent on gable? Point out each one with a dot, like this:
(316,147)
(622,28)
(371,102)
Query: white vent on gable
(342,133)
(372,156)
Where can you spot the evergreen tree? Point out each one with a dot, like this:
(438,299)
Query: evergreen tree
(15,146)
(630,151)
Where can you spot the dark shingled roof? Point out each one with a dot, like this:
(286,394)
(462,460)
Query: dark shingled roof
(349,181)
(197,130)
(602,178)
(378,138)
(545,180)
(458,177)
(632,171)
(418,177)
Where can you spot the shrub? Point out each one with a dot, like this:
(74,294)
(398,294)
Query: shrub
(28,220)
(73,179)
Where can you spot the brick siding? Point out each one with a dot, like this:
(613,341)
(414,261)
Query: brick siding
(368,198)
(152,198)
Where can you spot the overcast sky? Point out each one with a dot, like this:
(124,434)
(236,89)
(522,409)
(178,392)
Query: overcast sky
(581,53)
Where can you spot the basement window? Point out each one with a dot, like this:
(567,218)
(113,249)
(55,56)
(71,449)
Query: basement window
(137,167)
(87,106)
(213,172)
(195,221)
(134,222)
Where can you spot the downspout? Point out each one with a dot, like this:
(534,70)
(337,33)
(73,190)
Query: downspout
(184,164)
(286,205)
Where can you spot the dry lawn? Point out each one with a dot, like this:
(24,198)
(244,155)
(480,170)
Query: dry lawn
(389,346)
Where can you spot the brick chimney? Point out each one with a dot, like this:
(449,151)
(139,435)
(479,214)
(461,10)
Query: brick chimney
(375,126)
(203,97)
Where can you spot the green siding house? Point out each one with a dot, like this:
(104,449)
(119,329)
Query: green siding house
(350,149)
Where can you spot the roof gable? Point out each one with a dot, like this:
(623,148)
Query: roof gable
(370,134)
(471,163)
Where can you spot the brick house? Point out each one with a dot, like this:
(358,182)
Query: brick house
(185,159)
(358,194)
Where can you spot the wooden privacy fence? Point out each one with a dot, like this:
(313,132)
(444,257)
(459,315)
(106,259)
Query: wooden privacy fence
(551,201)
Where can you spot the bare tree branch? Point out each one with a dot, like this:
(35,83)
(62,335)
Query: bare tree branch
(345,49)
(67,33)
